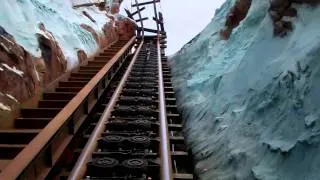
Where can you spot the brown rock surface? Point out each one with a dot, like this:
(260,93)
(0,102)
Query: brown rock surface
(55,62)
(283,8)
(17,76)
(236,14)
(82,56)
(126,28)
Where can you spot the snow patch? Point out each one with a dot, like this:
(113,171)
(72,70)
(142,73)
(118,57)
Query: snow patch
(310,120)
(13,69)
(4,47)
(4,107)
(12,98)
(37,74)
(21,19)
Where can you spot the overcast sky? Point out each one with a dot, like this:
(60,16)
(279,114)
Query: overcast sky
(183,18)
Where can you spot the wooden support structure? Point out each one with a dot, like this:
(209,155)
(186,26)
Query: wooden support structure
(88,15)
(161,21)
(143,19)
(128,13)
(136,12)
(140,17)
(84,5)
(155,19)
(145,3)
(151,30)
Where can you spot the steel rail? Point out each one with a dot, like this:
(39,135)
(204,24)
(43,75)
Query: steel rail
(166,165)
(79,169)
(41,142)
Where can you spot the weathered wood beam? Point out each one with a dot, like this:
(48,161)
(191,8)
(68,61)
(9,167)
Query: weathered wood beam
(143,19)
(151,30)
(145,3)
(88,16)
(84,5)
(136,12)
(161,21)
(156,20)
(128,13)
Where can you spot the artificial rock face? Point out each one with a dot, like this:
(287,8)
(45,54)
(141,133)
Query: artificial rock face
(31,60)
(251,104)
(18,75)
(236,14)
(54,60)
(280,11)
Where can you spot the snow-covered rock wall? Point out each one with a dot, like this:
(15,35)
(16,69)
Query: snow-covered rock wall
(40,40)
(21,19)
(251,103)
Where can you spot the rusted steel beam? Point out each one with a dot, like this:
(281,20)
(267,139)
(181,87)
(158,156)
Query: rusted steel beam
(143,19)
(79,169)
(145,3)
(40,152)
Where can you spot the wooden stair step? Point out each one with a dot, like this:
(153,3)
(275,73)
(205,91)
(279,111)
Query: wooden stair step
(17,136)
(100,63)
(68,89)
(72,83)
(9,151)
(52,103)
(82,74)
(31,123)
(103,58)
(90,68)
(39,112)
(79,79)
(58,95)
(108,53)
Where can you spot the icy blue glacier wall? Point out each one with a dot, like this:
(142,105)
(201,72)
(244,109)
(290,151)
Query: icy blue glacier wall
(21,18)
(251,103)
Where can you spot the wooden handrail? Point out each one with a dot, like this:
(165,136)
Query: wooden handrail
(35,147)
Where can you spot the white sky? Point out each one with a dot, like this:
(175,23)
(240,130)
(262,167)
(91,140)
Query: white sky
(184,19)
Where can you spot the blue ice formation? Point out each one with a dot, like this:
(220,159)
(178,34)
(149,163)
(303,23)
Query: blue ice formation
(251,103)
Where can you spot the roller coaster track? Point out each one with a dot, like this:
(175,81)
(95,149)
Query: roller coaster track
(115,118)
